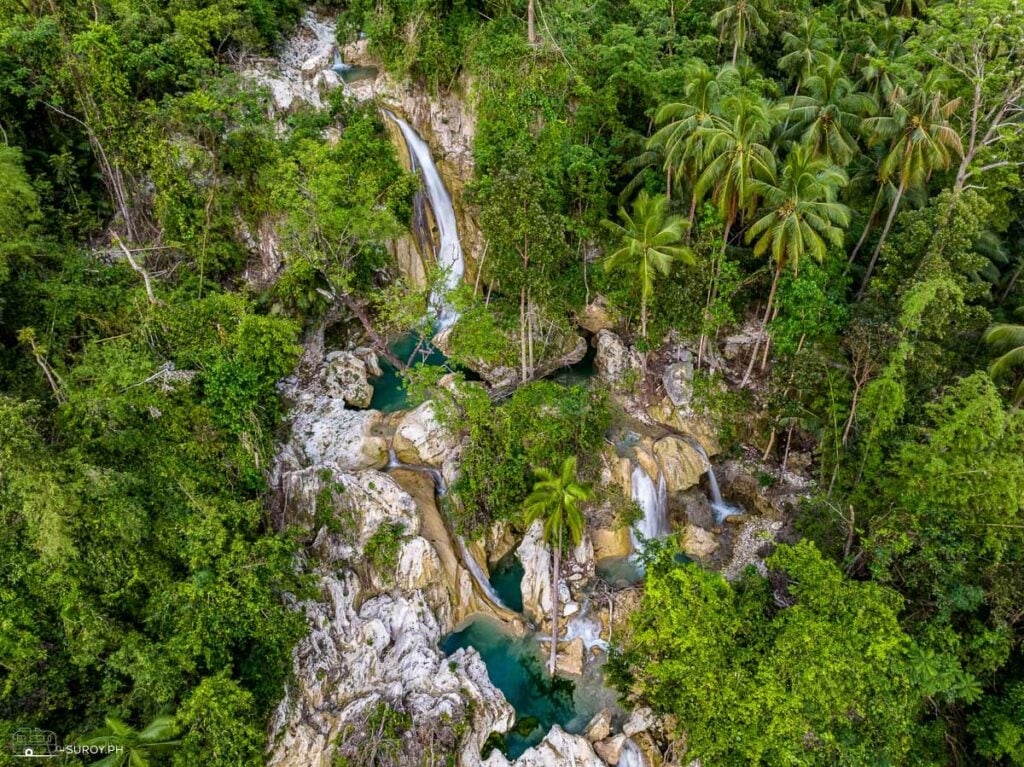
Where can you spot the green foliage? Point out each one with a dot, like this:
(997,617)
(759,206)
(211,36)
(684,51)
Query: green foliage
(378,743)
(821,680)
(382,548)
(541,424)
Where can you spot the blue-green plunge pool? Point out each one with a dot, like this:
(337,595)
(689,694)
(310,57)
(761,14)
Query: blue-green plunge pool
(507,579)
(389,392)
(515,666)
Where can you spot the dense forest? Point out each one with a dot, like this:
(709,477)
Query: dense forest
(837,179)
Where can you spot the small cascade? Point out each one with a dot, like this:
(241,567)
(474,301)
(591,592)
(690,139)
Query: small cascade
(631,755)
(720,507)
(653,502)
(339,66)
(467,558)
(586,627)
(449,251)
(478,572)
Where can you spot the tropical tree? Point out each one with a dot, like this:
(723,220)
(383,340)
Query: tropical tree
(859,9)
(556,499)
(920,141)
(134,747)
(736,154)
(828,117)
(1011,339)
(680,137)
(803,218)
(805,49)
(736,21)
(650,245)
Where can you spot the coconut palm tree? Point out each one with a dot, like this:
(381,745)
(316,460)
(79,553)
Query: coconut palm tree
(680,138)
(805,49)
(556,499)
(136,746)
(736,154)
(859,9)
(736,21)
(803,218)
(1010,338)
(828,117)
(920,141)
(650,245)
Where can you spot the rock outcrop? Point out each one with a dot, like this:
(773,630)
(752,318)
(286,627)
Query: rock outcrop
(325,431)
(558,749)
(346,376)
(680,462)
(359,654)
(536,584)
(421,439)
(615,361)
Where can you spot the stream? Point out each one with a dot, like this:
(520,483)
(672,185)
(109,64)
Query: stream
(514,664)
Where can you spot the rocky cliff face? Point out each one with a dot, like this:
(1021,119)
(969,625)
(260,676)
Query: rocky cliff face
(376,625)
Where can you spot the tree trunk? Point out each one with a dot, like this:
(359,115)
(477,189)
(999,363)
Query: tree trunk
(712,283)
(361,314)
(554,604)
(530,332)
(735,50)
(531,23)
(693,215)
(881,240)
(522,334)
(764,323)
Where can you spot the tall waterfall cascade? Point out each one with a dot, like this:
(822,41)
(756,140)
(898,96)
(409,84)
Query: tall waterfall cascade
(652,498)
(448,254)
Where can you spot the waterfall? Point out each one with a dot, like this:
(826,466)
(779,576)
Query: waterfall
(719,506)
(584,626)
(653,501)
(449,252)
(467,558)
(478,573)
(631,755)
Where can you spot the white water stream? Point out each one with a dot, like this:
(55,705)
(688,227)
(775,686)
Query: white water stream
(653,502)
(467,557)
(449,251)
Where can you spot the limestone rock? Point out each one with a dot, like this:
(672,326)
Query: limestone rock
(266,260)
(692,425)
(410,263)
(641,720)
(384,649)
(611,542)
(698,542)
(345,376)
(315,64)
(600,727)
(418,565)
(680,462)
(598,315)
(614,360)
(558,749)
(420,439)
(362,503)
(536,585)
(678,382)
(610,749)
(324,431)
(569,658)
